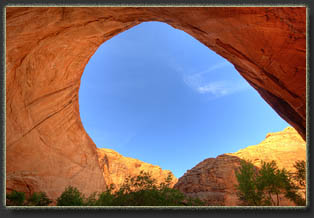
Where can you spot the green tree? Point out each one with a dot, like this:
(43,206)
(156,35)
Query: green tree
(90,200)
(247,189)
(15,198)
(300,175)
(263,187)
(38,199)
(141,190)
(71,197)
(144,191)
(297,189)
(105,199)
(272,181)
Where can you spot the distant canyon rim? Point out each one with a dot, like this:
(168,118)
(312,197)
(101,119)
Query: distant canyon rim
(47,49)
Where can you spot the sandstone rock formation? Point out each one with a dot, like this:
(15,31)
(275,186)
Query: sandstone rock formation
(117,167)
(285,147)
(213,179)
(47,49)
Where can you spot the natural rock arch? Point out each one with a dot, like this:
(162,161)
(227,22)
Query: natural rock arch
(47,49)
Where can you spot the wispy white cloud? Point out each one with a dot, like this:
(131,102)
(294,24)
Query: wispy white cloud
(204,84)
(221,88)
(216,88)
(177,67)
(214,67)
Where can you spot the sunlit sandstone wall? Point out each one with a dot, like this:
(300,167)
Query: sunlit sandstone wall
(214,179)
(116,168)
(47,49)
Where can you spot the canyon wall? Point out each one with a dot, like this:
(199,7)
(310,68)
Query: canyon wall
(214,180)
(116,168)
(47,49)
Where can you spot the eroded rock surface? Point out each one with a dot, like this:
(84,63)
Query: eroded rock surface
(213,179)
(117,168)
(47,49)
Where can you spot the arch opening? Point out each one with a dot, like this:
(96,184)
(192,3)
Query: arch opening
(156,94)
(45,60)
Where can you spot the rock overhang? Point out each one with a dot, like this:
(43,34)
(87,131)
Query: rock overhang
(47,50)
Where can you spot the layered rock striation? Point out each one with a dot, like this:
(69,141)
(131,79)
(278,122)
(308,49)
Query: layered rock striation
(214,180)
(47,49)
(116,168)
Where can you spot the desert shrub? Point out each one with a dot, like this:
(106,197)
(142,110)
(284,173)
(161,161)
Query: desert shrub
(90,200)
(141,190)
(105,199)
(71,197)
(15,198)
(144,191)
(38,199)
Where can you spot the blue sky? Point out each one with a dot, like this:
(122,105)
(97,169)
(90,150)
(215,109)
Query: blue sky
(156,94)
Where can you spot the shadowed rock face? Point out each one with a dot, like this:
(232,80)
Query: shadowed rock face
(214,180)
(47,49)
(117,168)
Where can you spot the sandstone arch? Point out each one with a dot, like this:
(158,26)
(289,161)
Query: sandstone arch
(47,49)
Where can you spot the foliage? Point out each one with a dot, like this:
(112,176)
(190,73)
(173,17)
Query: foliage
(16,198)
(255,188)
(70,197)
(141,190)
(298,184)
(263,187)
(248,192)
(272,181)
(300,174)
(39,199)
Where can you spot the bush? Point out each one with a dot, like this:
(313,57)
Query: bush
(105,198)
(16,198)
(140,190)
(70,197)
(38,199)
(143,191)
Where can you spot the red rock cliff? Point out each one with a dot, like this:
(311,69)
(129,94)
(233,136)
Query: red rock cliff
(214,179)
(117,167)
(47,49)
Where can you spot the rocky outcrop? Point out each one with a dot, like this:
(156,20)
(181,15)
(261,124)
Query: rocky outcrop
(214,180)
(47,49)
(116,168)
(284,147)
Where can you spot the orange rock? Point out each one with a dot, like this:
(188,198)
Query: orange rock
(214,180)
(117,168)
(47,49)
(285,147)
